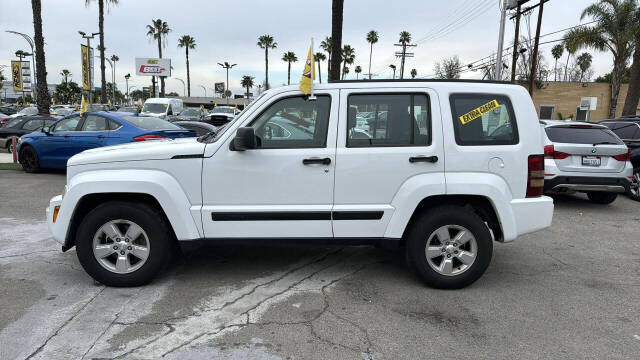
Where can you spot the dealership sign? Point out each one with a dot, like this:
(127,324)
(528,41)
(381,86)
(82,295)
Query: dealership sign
(153,67)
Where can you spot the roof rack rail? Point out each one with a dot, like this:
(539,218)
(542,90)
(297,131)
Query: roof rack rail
(475,81)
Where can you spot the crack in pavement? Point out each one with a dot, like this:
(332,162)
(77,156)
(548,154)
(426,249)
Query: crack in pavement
(39,349)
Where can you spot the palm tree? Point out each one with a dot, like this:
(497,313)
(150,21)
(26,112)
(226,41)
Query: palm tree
(414,73)
(336,38)
(159,30)
(557,52)
(319,58)
(372,38)
(247,82)
(289,57)
(187,42)
(633,94)
(41,70)
(584,63)
(345,72)
(326,45)
(393,67)
(65,75)
(266,42)
(614,30)
(349,56)
(101,48)
(405,39)
(357,70)
(571,49)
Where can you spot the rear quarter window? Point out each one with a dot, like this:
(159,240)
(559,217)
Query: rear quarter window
(483,119)
(577,135)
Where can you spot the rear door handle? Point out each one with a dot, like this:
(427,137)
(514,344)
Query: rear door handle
(100,136)
(431,159)
(323,161)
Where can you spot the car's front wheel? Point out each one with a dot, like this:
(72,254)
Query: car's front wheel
(123,244)
(603,198)
(29,159)
(634,188)
(449,247)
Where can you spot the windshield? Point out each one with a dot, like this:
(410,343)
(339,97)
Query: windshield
(190,112)
(228,125)
(224,110)
(155,108)
(12,123)
(29,111)
(150,123)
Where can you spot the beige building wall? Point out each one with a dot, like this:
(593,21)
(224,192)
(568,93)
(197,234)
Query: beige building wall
(566,97)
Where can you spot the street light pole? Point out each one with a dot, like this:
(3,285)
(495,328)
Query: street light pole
(205,90)
(89,37)
(503,18)
(227,66)
(33,61)
(126,79)
(184,88)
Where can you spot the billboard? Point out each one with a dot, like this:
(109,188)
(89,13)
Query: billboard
(219,87)
(153,67)
(16,73)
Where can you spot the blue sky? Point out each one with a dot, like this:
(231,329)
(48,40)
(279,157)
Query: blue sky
(228,31)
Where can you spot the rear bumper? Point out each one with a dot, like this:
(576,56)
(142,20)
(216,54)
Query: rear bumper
(585,183)
(532,214)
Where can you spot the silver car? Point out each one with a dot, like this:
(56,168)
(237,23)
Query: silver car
(585,157)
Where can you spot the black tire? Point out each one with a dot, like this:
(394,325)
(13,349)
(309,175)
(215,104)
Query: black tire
(149,219)
(9,147)
(29,159)
(422,230)
(634,189)
(603,198)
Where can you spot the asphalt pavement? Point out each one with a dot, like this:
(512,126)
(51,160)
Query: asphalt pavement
(571,291)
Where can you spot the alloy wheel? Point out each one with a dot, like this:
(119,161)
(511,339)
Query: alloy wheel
(634,188)
(451,250)
(121,246)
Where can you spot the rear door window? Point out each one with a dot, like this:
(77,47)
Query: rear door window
(33,124)
(94,123)
(483,119)
(581,135)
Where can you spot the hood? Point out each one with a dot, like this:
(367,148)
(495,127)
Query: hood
(137,151)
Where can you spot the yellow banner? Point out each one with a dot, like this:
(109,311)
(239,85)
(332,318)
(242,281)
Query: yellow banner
(16,73)
(478,112)
(309,73)
(86,79)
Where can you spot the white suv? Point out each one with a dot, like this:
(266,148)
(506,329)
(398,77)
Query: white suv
(450,167)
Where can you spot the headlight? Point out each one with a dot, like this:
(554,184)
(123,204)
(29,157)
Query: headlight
(19,139)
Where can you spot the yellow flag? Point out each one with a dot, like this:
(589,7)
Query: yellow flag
(83,106)
(309,73)
(110,105)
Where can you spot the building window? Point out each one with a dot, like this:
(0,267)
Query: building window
(547,112)
(583,115)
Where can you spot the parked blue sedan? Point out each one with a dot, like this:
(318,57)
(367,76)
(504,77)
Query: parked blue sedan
(54,145)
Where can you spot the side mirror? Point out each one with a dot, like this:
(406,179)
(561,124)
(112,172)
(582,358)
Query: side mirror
(245,140)
(46,130)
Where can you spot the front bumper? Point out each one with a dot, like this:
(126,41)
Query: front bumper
(57,229)
(587,183)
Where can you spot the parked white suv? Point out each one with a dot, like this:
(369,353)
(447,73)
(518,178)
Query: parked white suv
(450,167)
(584,157)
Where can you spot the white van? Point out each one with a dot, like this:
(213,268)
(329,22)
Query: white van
(162,107)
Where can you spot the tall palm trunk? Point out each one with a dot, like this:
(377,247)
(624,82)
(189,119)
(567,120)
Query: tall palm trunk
(336,39)
(633,94)
(161,77)
(619,67)
(319,72)
(566,68)
(266,67)
(329,67)
(103,80)
(248,92)
(404,53)
(289,73)
(41,68)
(370,54)
(188,74)
(555,71)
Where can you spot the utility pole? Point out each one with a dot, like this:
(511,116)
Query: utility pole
(534,59)
(516,40)
(402,55)
(503,18)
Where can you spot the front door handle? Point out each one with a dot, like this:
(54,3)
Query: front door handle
(100,136)
(431,159)
(323,161)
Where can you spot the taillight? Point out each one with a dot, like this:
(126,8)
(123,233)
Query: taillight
(535,176)
(624,157)
(148,137)
(550,153)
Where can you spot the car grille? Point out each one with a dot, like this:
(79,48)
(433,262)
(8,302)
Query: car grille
(219,120)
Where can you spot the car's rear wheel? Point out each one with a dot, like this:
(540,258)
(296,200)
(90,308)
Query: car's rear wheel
(10,147)
(123,244)
(449,247)
(634,189)
(603,198)
(29,159)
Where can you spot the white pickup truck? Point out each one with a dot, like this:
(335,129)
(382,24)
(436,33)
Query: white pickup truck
(442,168)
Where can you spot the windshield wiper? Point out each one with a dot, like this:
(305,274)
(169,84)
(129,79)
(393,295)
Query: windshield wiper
(207,136)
